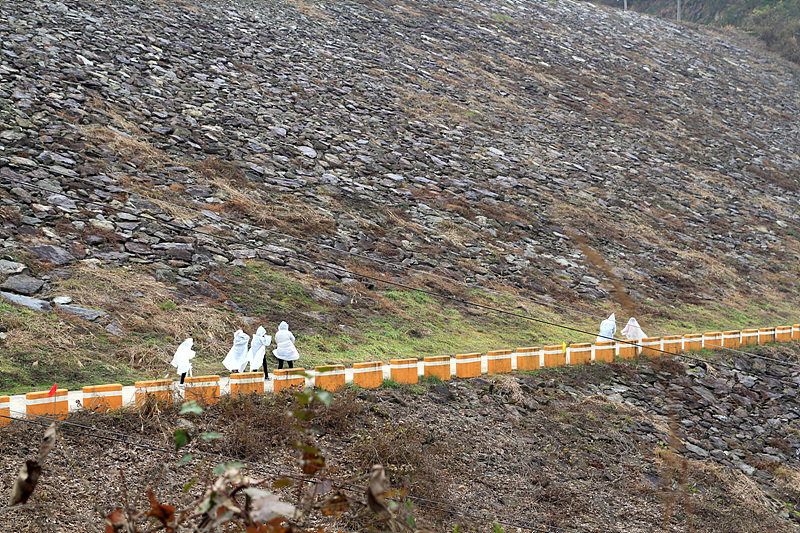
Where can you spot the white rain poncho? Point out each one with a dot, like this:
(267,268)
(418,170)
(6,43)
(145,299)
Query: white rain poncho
(632,330)
(236,360)
(258,346)
(285,341)
(607,329)
(182,355)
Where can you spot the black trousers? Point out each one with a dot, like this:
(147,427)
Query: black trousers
(280,364)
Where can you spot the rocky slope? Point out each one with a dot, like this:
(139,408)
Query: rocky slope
(667,445)
(565,151)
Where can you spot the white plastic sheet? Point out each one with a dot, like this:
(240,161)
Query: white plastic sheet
(236,360)
(632,330)
(608,328)
(258,347)
(181,359)
(285,341)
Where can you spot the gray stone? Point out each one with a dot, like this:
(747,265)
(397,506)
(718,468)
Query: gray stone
(85,313)
(51,253)
(8,268)
(330,297)
(59,200)
(27,301)
(22,284)
(307,151)
(115,328)
(697,450)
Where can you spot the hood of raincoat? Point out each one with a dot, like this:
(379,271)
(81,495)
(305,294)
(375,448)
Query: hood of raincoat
(283,325)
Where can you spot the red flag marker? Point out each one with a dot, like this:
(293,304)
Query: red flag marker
(52,391)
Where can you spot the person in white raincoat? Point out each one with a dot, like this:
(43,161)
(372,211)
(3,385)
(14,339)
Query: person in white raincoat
(607,329)
(632,330)
(181,358)
(236,360)
(258,350)
(286,350)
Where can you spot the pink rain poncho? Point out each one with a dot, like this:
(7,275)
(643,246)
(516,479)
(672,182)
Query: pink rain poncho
(632,330)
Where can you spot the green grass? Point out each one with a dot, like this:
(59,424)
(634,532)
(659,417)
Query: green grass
(400,324)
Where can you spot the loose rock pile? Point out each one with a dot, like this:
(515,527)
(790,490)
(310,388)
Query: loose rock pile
(478,140)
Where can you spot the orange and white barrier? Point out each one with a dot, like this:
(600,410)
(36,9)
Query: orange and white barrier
(5,410)
(766,335)
(206,389)
(651,346)
(159,390)
(554,356)
(468,365)
(528,358)
(102,398)
(42,404)
(605,351)
(693,342)
(580,354)
(628,349)
(288,378)
(368,375)
(498,361)
(712,340)
(404,370)
(247,383)
(673,344)
(731,339)
(783,334)
(202,389)
(749,337)
(330,377)
(437,366)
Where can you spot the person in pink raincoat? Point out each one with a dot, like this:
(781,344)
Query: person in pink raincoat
(632,330)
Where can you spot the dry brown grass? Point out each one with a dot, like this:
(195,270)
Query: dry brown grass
(411,455)
(146,306)
(457,234)
(124,137)
(9,214)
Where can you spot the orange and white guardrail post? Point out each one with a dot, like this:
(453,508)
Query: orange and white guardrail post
(329,377)
(288,378)
(202,389)
(5,410)
(554,356)
(468,365)
(404,370)
(528,358)
(437,366)
(160,390)
(102,398)
(368,375)
(580,354)
(498,361)
(47,405)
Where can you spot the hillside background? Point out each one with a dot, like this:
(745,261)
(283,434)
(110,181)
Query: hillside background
(175,169)
(777,23)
